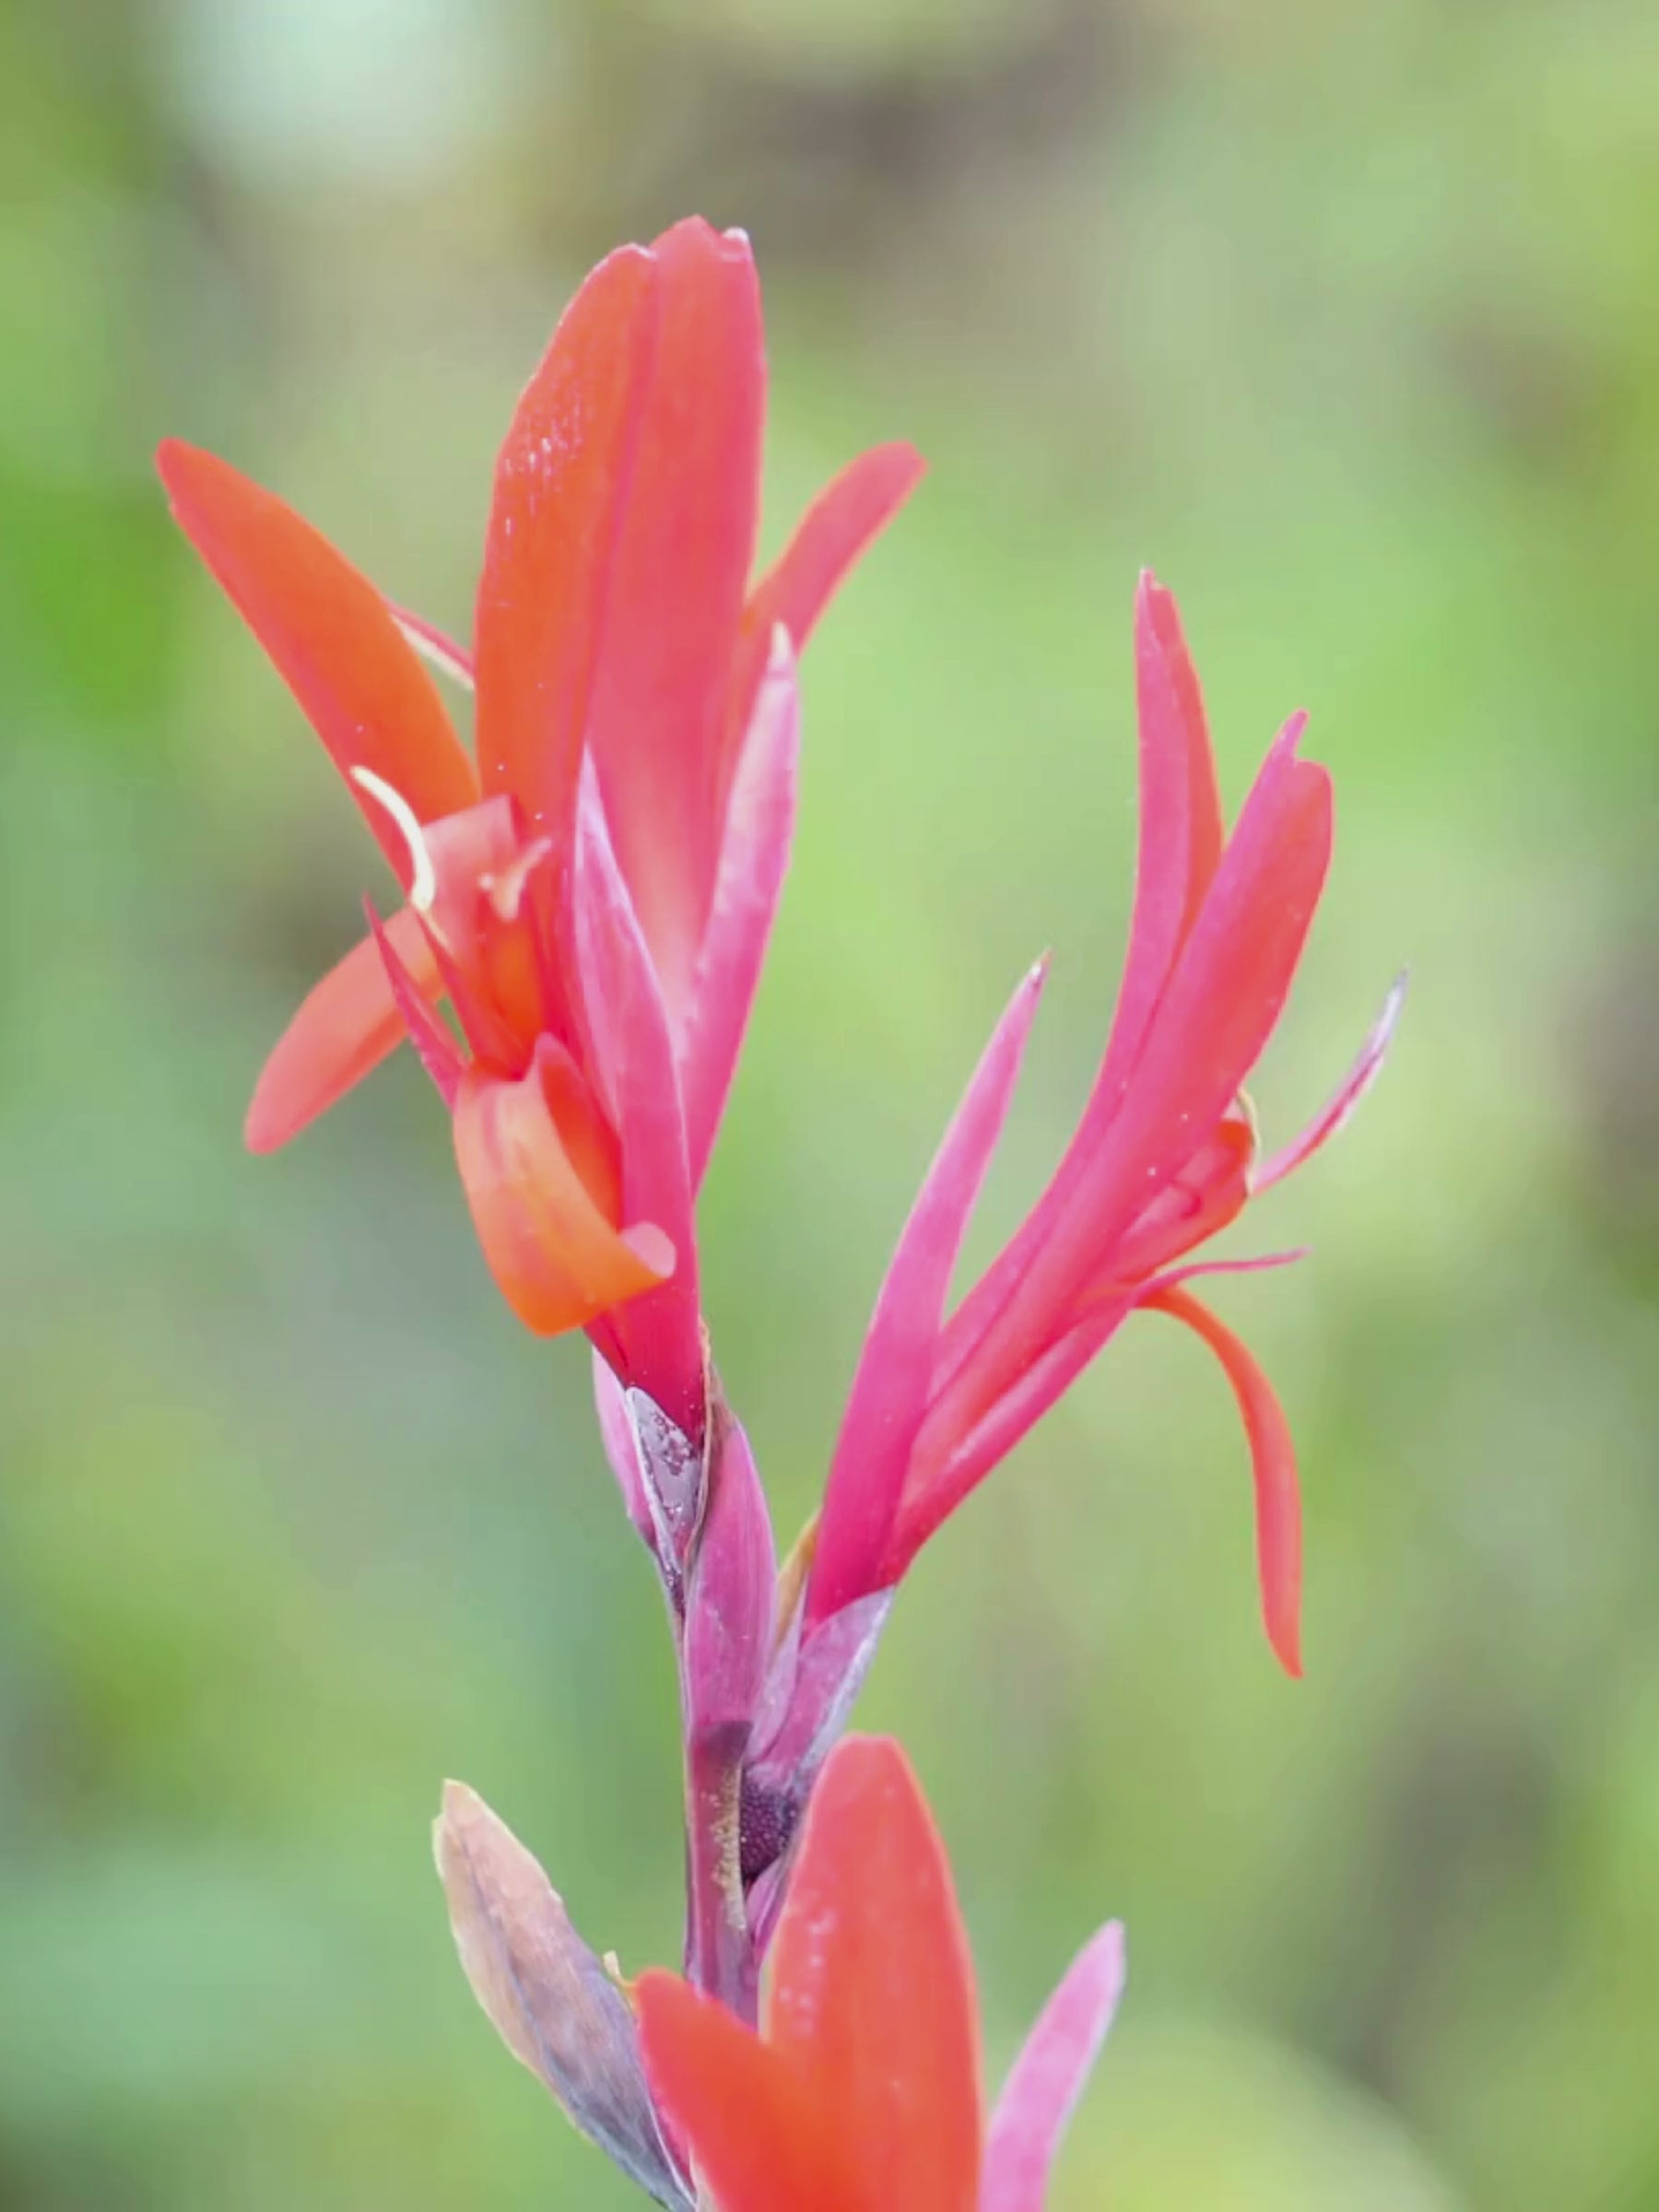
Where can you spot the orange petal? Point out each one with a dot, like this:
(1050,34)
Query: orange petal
(346,1025)
(558,1261)
(872,1990)
(762,2138)
(560,487)
(1273,1460)
(334,640)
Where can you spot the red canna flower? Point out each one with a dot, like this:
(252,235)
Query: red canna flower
(863,2090)
(1164,1157)
(593,898)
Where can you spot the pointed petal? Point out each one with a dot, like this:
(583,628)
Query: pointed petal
(872,1986)
(1047,2079)
(1344,1102)
(345,1025)
(548,1998)
(1180,821)
(681,568)
(436,1049)
(761,2136)
(1213,1019)
(558,1260)
(560,489)
(434,647)
(754,857)
(631,1057)
(331,636)
(847,515)
(890,1388)
(1273,1463)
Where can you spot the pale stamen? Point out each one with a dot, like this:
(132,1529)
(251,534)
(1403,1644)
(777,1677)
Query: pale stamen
(423,880)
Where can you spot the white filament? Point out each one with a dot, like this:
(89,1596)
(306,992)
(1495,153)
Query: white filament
(423,884)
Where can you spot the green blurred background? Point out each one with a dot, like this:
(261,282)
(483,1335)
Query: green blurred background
(1347,321)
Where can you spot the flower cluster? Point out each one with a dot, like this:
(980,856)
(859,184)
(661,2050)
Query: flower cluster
(585,902)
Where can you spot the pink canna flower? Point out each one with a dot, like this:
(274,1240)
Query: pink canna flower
(1164,1157)
(593,897)
(861,2090)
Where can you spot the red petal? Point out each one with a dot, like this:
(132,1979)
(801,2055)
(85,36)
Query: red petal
(345,1025)
(560,488)
(840,523)
(1047,2076)
(436,1049)
(333,641)
(762,2138)
(890,1388)
(872,1990)
(1273,1462)
(682,565)
(558,1260)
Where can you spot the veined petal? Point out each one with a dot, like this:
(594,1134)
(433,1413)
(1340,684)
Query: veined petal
(558,1262)
(842,522)
(1047,2079)
(872,1987)
(561,489)
(890,1388)
(761,2138)
(346,1025)
(1273,1463)
(1340,1108)
(681,568)
(1180,823)
(332,637)
(754,858)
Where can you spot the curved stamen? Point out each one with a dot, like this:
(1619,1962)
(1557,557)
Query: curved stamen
(423,880)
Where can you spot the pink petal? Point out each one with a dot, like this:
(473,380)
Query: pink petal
(561,488)
(1273,1463)
(682,563)
(1180,823)
(1340,1109)
(345,1025)
(1047,2079)
(754,857)
(330,637)
(890,1390)
(631,1057)
(1215,1015)
(847,515)
(436,1049)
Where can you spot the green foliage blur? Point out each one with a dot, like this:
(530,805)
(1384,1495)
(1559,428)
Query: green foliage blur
(1346,320)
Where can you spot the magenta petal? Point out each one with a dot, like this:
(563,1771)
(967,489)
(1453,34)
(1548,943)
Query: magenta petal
(729,1596)
(1047,2079)
(631,1057)
(890,1390)
(621,1441)
(1343,1103)
(438,1054)
(754,857)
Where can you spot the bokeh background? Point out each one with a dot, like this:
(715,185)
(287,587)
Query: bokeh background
(1348,320)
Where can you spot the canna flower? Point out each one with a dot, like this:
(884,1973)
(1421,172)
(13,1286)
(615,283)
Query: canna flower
(592,895)
(863,2088)
(1165,1156)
